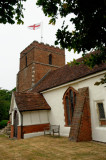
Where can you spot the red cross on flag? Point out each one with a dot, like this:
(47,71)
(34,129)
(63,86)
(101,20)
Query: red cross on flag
(35,26)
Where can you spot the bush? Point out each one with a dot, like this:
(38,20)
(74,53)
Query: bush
(3,123)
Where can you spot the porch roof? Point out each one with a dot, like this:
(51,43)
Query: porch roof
(27,101)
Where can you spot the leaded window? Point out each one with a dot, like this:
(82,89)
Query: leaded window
(68,111)
(69,105)
(101,111)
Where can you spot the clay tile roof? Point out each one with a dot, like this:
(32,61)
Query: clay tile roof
(30,101)
(66,74)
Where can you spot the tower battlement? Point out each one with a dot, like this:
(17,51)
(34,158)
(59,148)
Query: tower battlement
(35,61)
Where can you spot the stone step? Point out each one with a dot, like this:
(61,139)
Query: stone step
(8,132)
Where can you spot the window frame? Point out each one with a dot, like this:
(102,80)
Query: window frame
(100,113)
(102,121)
(67,94)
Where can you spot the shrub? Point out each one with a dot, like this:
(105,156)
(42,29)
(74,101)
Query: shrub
(3,123)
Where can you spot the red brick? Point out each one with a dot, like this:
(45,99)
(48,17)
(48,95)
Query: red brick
(37,64)
(19,132)
(12,131)
(81,122)
(34,128)
(103,122)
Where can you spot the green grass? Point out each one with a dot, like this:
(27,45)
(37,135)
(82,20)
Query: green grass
(50,148)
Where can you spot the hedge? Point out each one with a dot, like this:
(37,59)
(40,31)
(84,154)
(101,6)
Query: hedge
(3,123)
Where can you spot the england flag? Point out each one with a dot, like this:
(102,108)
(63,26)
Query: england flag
(35,26)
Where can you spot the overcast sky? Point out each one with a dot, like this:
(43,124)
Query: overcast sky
(15,38)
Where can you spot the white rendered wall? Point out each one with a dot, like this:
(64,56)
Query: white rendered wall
(96,93)
(14,108)
(56,114)
(34,134)
(35,117)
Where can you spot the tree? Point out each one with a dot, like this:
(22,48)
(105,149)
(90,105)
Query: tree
(11,10)
(90,27)
(89,21)
(5,99)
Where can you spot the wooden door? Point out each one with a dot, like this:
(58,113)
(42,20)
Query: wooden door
(15,123)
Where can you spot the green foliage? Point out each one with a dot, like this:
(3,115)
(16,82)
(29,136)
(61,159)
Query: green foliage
(90,27)
(4,109)
(3,123)
(89,22)
(11,11)
(5,99)
(103,81)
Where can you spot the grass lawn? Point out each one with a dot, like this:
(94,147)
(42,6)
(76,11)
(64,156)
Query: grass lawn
(50,148)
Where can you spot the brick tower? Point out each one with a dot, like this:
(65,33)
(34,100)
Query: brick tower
(35,61)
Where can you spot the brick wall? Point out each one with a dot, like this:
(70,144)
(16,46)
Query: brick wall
(85,124)
(81,122)
(42,46)
(42,56)
(30,57)
(25,78)
(12,131)
(37,64)
(42,70)
(34,128)
(19,132)
(103,122)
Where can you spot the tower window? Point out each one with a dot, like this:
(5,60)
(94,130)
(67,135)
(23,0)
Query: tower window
(26,61)
(50,59)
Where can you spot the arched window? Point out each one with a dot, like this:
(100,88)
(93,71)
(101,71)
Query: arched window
(69,101)
(50,58)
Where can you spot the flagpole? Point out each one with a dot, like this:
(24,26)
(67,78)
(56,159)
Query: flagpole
(37,26)
(41,31)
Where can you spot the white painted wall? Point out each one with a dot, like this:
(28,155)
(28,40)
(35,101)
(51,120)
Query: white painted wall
(34,134)
(13,107)
(96,93)
(35,117)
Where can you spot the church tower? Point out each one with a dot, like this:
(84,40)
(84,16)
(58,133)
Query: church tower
(35,61)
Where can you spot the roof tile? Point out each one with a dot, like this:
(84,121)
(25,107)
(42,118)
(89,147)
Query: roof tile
(66,74)
(27,101)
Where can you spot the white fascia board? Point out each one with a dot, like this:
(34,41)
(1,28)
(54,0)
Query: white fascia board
(76,81)
(11,104)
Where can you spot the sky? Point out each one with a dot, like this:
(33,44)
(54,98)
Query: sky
(15,38)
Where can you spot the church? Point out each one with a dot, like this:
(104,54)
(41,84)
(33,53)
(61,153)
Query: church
(48,92)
